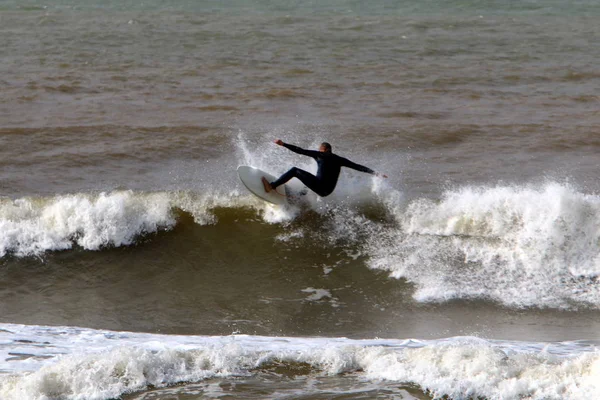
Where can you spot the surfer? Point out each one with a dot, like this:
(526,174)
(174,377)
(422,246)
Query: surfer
(329,166)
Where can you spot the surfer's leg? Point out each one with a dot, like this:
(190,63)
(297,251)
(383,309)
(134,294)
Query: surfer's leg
(285,177)
(311,181)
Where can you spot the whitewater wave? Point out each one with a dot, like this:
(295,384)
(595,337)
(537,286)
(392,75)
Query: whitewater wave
(31,226)
(75,363)
(520,246)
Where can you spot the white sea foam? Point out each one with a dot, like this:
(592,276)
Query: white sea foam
(73,363)
(520,246)
(30,226)
(317,294)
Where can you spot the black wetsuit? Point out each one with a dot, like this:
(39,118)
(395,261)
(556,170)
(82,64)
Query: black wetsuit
(329,166)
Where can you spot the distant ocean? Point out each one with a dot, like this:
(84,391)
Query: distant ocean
(135,265)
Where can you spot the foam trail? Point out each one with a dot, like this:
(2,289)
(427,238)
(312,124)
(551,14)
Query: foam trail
(520,246)
(76,363)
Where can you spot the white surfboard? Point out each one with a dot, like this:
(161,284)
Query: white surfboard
(251,178)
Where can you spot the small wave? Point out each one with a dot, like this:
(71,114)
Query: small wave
(282,93)
(218,107)
(74,363)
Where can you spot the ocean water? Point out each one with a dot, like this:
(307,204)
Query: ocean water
(135,265)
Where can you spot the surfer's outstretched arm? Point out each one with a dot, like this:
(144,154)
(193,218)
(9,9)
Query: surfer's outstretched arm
(296,149)
(349,164)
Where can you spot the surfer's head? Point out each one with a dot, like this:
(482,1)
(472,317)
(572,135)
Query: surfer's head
(325,148)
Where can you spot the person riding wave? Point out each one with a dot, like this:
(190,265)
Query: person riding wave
(328,171)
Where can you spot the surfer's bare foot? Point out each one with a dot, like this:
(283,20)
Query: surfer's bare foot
(266,184)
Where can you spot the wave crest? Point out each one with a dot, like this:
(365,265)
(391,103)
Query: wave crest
(30,226)
(520,246)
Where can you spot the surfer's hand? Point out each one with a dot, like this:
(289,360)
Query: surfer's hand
(381,175)
(279,142)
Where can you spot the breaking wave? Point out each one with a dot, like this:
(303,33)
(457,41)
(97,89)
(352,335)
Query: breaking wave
(75,363)
(520,246)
